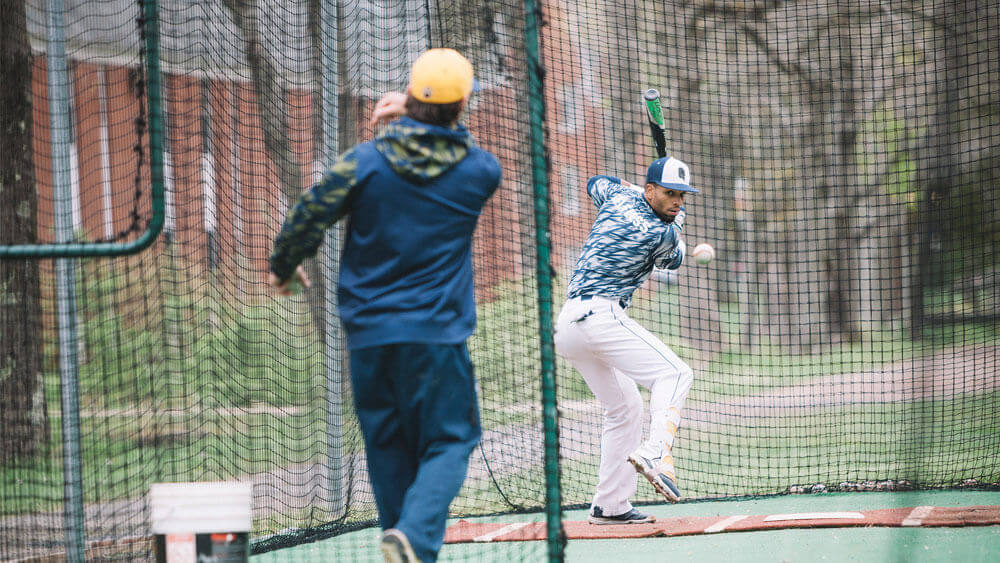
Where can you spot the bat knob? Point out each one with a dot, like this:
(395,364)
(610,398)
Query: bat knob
(651,94)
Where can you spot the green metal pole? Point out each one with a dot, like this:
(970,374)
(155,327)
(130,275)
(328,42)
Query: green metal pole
(329,10)
(68,249)
(64,250)
(556,538)
(69,388)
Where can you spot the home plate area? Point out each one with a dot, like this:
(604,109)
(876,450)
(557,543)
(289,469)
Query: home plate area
(464,531)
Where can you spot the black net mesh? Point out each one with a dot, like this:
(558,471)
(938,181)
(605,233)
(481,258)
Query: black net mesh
(844,337)
(845,334)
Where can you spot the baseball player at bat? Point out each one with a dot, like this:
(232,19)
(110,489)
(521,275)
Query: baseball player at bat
(637,229)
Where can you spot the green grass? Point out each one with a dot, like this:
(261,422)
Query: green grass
(221,355)
(936,444)
(201,356)
(123,455)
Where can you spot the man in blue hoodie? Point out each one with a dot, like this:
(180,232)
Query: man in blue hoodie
(413,197)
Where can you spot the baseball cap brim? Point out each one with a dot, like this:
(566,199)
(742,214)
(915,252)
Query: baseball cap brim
(677,186)
(670,173)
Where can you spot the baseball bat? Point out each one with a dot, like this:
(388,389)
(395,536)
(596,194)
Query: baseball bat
(654,113)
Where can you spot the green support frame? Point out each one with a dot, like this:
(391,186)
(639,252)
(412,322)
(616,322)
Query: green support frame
(156,136)
(65,252)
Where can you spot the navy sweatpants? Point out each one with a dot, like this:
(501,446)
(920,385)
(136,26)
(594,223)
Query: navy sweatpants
(418,412)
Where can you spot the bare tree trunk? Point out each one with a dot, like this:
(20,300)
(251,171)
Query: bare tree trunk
(272,102)
(23,423)
(801,291)
(938,158)
(621,66)
(316,40)
(844,183)
(693,143)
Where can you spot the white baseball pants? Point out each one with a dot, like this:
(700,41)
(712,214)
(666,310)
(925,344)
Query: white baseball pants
(613,353)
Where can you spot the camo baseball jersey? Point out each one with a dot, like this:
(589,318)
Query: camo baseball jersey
(627,240)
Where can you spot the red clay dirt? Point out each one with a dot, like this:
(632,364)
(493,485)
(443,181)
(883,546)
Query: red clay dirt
(927,516)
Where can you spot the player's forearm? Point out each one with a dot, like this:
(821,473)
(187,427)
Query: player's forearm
(673,250)
(299,239)
(677,256)
(317,210)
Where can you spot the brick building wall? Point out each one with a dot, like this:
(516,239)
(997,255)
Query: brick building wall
(224,200)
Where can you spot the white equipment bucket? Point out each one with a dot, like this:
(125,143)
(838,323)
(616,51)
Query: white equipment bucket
(194,522)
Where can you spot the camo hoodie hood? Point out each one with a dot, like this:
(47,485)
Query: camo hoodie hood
(420,152)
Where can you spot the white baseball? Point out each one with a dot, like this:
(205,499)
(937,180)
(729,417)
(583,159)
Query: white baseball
(703,253)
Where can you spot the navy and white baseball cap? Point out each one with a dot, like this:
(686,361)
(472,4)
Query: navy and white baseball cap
(670,173)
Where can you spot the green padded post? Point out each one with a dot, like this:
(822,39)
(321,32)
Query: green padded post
(553,510)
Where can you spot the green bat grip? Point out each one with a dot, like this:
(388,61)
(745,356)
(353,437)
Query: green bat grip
(657,128)
(652,97)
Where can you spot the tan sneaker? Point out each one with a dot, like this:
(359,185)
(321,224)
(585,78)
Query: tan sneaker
(658,473)
(396,547)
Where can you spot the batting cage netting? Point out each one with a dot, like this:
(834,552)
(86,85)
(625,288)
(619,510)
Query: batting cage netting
(844,337)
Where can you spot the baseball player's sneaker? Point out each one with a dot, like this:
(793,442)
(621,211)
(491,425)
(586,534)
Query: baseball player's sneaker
(631,517)
(396,548)
(660,474)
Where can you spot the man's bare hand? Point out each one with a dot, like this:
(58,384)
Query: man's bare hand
(287,287)
(389,107)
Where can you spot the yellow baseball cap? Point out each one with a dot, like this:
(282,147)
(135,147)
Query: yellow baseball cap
(441,76)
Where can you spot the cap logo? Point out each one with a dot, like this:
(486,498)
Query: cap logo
(428,92)
(670,173)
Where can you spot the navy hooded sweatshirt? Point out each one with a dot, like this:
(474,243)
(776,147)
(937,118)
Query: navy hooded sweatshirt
(413,197)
